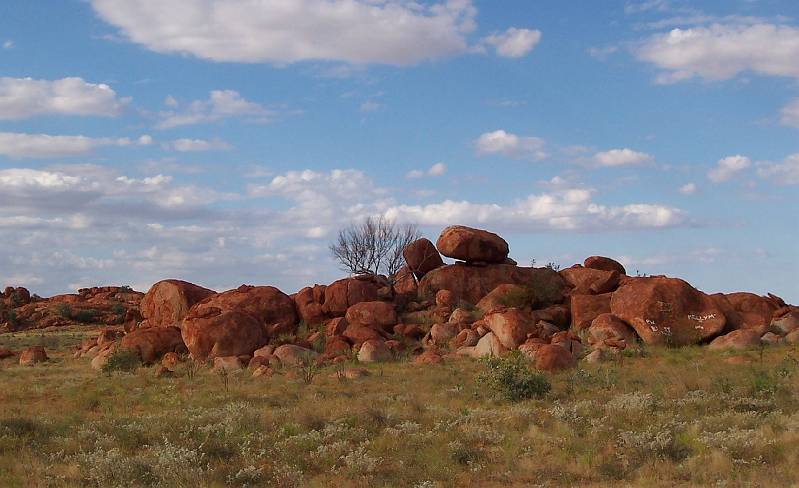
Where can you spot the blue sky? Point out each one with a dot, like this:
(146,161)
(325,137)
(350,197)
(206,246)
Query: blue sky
(225,142)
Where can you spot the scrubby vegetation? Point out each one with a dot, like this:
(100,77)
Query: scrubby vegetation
(677,417)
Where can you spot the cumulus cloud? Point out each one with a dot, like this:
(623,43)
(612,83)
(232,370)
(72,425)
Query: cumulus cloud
(790,114)
(568,209)
(621,157)
(510,145)
(43,146)
(91,224)
(688,189)
(784,173)
(727,167)
(513,43)
(192,145)
(438,169)
(276,31)
(220,104)
(722,51)
(22,98)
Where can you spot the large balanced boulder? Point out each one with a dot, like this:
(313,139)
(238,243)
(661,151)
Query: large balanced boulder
(168,301)
(268,305)
(667,311)
(152,343)
(212,332)
(605,264)
(421,256)
(543,286)
(342,294)
(472,245)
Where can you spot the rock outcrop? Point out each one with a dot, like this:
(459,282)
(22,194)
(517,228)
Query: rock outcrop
(168,301)
(472,245)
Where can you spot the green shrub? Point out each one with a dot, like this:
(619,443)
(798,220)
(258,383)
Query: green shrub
(64,310)
(123,360)
(118,309)
(512,378)
(85,316)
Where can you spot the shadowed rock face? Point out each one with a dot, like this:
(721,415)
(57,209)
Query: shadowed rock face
(667,311)
(212,332)
(168,301)
(422,257)
(152,343)
(472,283)
(271,307)
(470,245)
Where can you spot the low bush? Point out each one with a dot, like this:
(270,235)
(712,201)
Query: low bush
(85,316)
(512,378)
(122,360)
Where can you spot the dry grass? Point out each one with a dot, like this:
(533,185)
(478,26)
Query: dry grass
(672,418)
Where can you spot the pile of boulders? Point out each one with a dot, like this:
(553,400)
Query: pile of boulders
(107,305)
(483,304)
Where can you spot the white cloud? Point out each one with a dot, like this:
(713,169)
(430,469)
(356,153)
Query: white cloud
(621,157)
(790,114)
(145,140)
(277,31)
(727,167)
(784,173)
(8,44)
(370,106)
(569,209)
(688,189)
(513,43)
(22,98)
(602,53)
(511,145)
(42,146)
(191,145)
(722,51)
(221,104)
(438,169)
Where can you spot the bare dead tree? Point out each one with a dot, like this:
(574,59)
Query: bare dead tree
(374,246)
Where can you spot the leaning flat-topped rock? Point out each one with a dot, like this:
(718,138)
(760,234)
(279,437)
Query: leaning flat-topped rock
(472,245)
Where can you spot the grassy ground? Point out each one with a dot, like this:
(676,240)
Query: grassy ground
(682,417)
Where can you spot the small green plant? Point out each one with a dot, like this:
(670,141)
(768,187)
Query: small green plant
(308,368)
(122,360)
(11,319)
(85,316)
(512,378)
(64,310)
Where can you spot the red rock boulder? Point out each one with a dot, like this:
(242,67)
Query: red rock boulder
(268,305)
(737,339)
(510,326)
(310,304)
(212,332)
(375,315)
(168,301)
(755,311)
(667,311)
(552,358)
(342,294)
(33,355)
(588,281)
(421,256)
(543,286)
(585,308)
(608,326)
(605,264)
(152,343)
(472,245)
